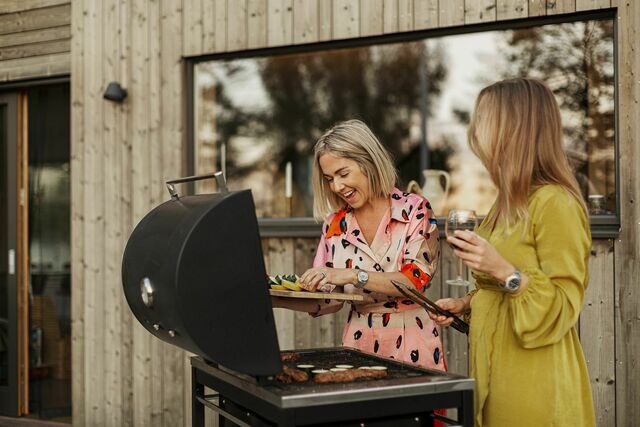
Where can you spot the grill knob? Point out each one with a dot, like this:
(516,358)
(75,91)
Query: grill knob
(172,333)
(146,292)
(156,326)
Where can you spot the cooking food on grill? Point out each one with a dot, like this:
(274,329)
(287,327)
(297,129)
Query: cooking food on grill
(348,376)
(290,375)
(289,356)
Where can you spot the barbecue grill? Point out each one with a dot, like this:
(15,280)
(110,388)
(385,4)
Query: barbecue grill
(194,276)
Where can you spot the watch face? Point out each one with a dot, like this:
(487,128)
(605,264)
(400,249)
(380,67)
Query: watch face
(513,283)
(363,276)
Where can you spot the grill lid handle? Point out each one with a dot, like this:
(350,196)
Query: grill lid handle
(219,177)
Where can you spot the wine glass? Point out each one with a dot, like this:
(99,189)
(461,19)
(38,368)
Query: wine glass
(460,219)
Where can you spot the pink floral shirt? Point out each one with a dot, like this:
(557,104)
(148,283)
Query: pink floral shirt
(406,240)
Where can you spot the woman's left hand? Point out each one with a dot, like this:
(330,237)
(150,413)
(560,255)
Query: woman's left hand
(480,255)
(317,277)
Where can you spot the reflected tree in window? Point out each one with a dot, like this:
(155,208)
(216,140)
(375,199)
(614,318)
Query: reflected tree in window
(576,61)
(304,94)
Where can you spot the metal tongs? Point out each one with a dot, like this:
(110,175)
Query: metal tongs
(415,296)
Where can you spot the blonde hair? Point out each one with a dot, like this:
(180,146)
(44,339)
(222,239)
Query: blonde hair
(516,132)
(353,140)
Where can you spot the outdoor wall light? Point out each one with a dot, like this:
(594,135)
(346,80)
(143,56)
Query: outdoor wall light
(115,92)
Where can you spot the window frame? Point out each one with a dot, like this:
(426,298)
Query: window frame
(602,226)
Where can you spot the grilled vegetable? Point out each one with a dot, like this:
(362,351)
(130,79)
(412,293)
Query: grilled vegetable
(291,285)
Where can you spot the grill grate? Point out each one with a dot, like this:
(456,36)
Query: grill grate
(329,358)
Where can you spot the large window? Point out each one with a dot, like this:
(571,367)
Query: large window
(258,118)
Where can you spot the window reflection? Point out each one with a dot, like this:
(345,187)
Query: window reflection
(253,116)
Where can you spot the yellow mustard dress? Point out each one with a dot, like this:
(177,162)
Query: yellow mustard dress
(524,350)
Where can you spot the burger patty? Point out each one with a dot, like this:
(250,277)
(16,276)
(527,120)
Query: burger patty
(290,375)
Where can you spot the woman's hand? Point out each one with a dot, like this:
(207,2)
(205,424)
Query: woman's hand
(317,277)
(480,255)
(457,306)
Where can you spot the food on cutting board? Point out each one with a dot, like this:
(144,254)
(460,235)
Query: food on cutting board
(285,281)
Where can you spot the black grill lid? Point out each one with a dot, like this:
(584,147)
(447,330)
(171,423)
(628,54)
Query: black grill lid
(193,274)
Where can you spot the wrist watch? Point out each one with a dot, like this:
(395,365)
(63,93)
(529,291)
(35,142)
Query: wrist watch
(512,284)
(363,278)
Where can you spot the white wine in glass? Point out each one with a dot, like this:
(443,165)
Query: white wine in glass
(460,219)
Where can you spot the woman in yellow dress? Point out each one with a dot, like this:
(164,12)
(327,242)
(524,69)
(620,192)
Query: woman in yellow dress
(529,258)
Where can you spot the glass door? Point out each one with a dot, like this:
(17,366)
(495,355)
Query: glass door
(13,291)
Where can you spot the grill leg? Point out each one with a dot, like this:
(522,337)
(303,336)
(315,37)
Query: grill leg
(465,414)
(197,408)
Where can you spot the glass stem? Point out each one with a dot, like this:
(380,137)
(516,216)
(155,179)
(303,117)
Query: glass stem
(460,267)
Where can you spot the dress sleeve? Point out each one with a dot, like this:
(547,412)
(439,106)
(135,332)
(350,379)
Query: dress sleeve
(422,250)
(324,258)
(549,306)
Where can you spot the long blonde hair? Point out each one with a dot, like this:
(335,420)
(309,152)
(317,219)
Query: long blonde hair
(353,140)
(516,132)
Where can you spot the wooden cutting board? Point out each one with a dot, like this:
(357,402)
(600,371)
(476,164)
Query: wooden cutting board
(316,295)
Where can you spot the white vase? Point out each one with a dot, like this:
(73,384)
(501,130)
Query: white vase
(436,188)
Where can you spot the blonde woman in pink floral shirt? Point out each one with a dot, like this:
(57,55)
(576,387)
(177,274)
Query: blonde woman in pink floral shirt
(372,233)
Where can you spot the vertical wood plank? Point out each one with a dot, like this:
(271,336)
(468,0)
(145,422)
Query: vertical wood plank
(537,7)
(627,245)
(193,28)
(221,18)
(78,348)
(476,11)
(455,344)
(171,135)
(143,350)
(512,9)
(557,7)
(325,20)
(597,333)
(390,16)
(280,22)
(425,14)
(346,19)
(591,5)
(126,220)
(113,241)
(371,17)
(305,250)
(93,211)
(451,13)
(208,26)
(237,32)
(405,15)
(162,354)
(305,21)
(281,261)
(257,24)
